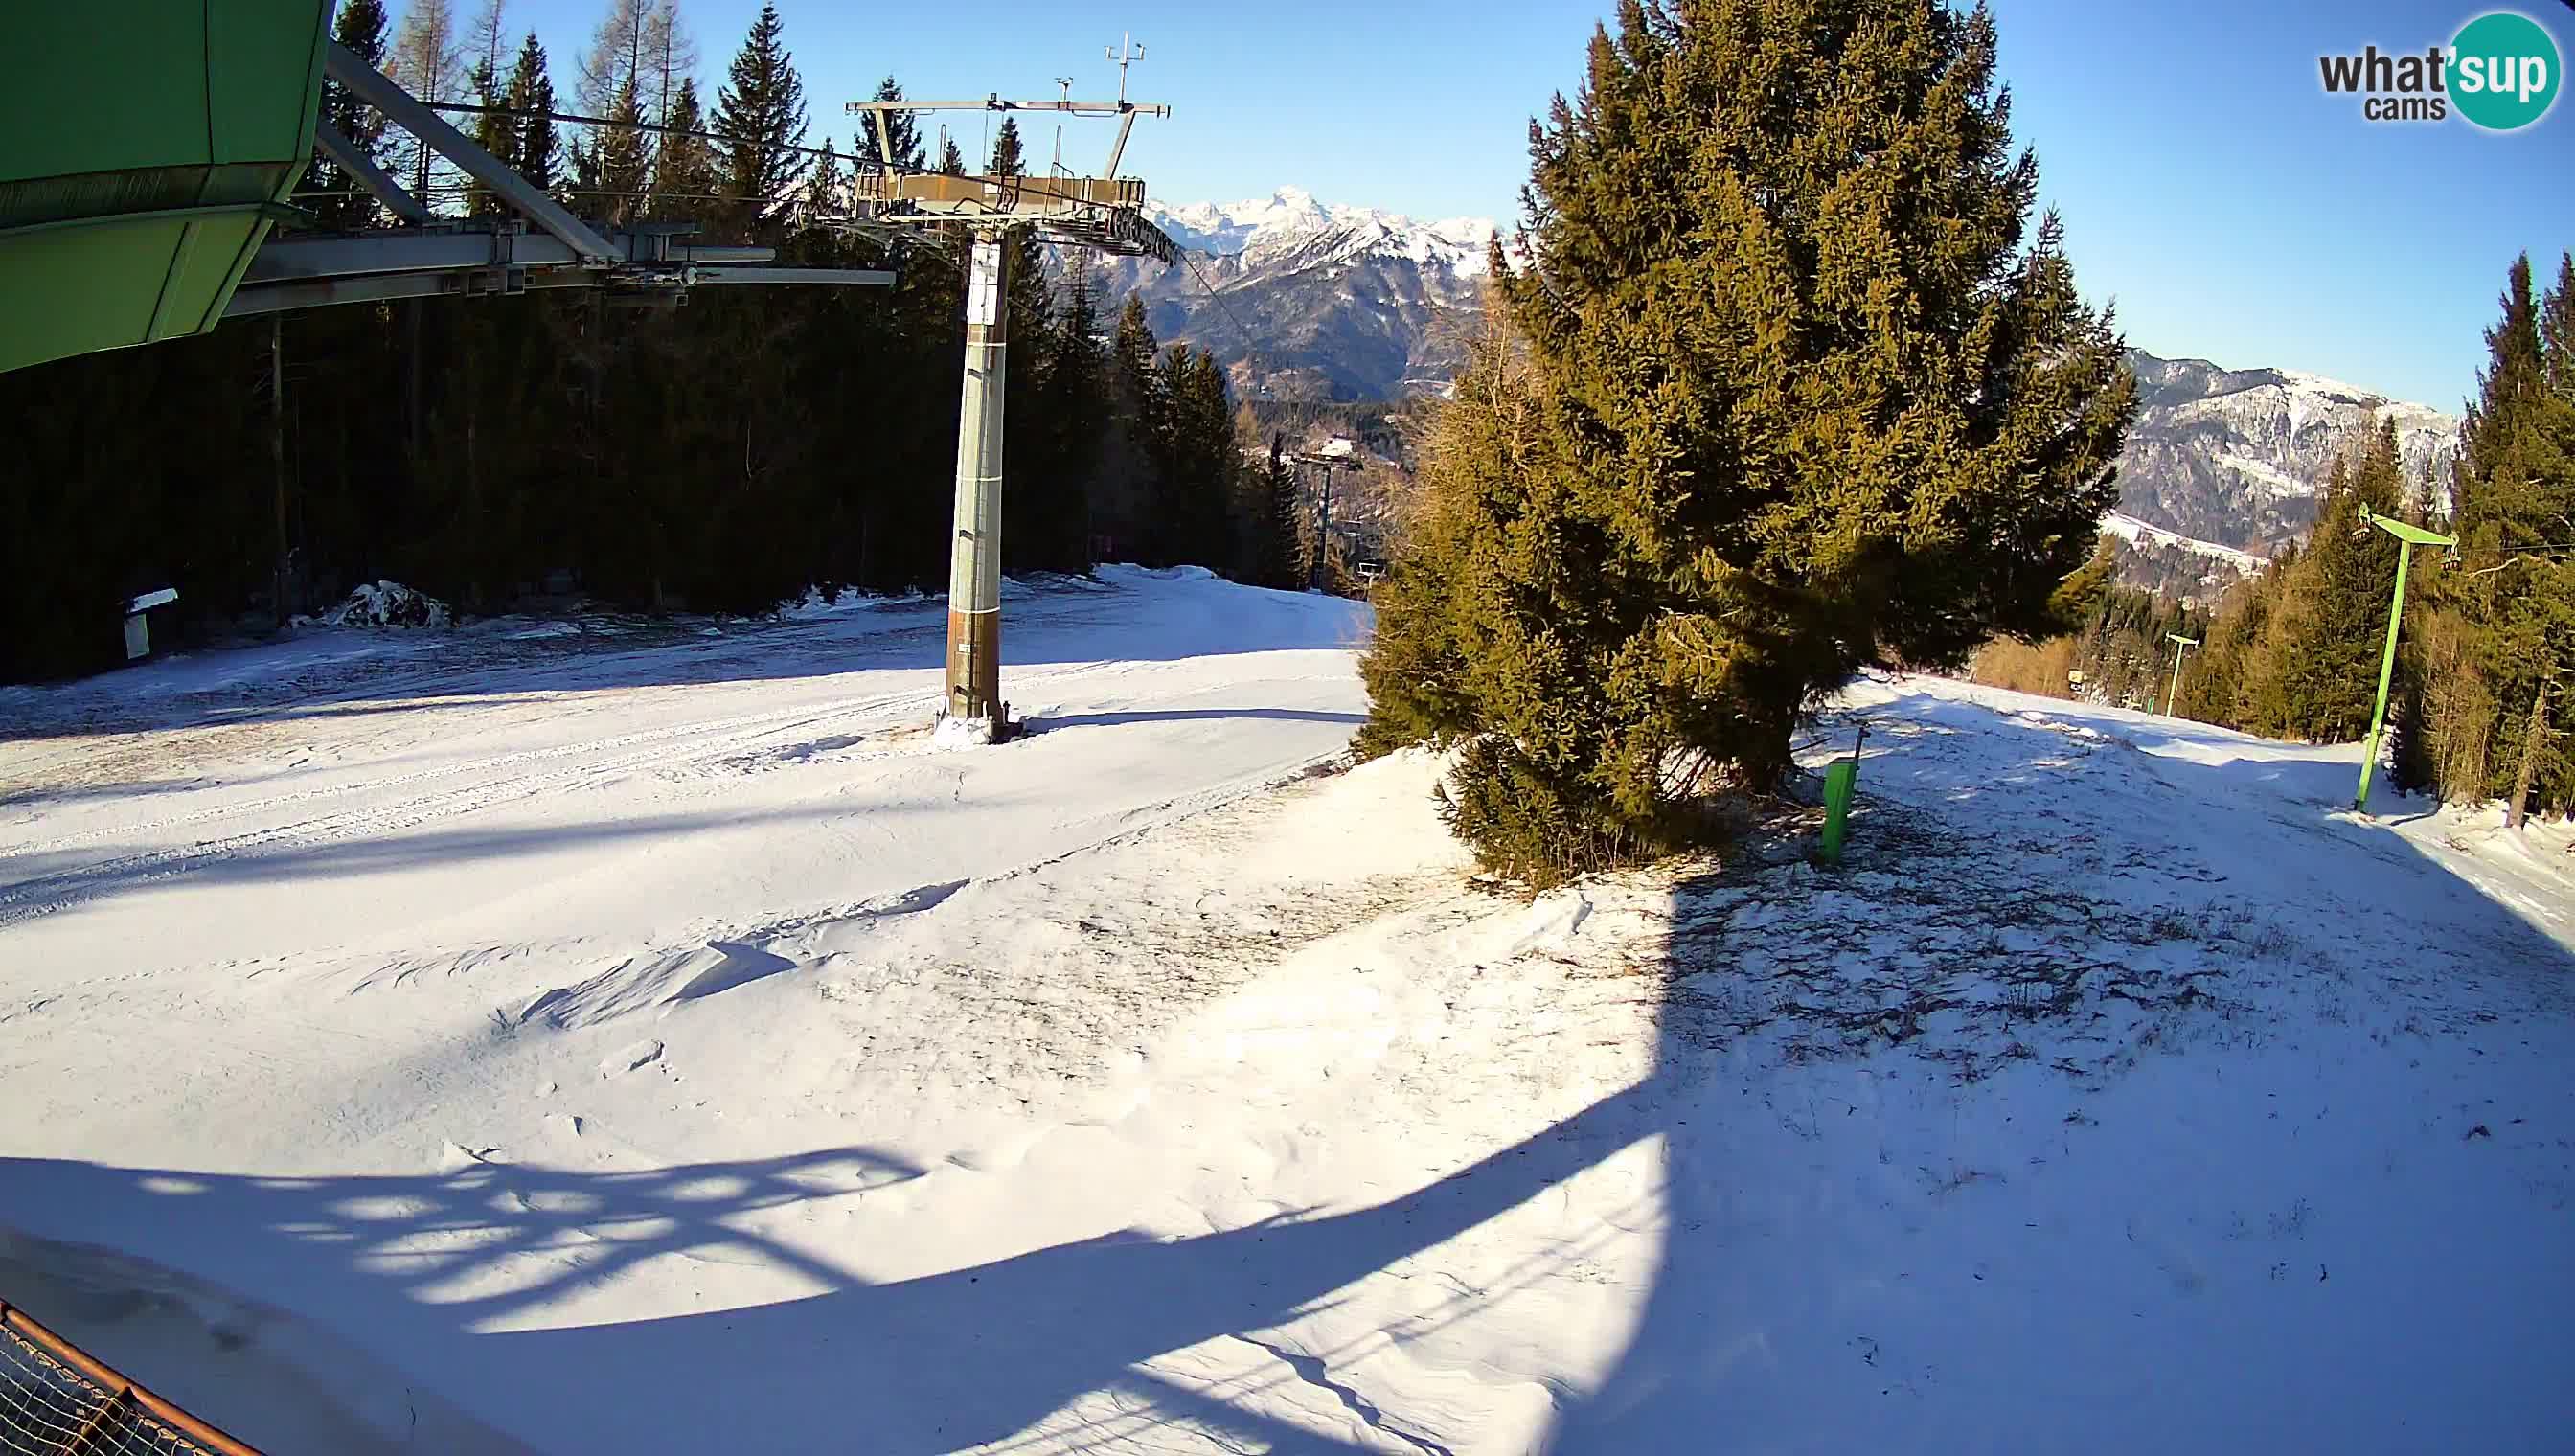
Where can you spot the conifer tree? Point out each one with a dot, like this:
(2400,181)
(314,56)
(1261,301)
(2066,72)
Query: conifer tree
(684,171)
(950,159)
(828,191)
(360,27)
(1136,446)
(761,113)
(868,153)
(2315,677)
(493,131)
(1278,521)
(1007,161)
(625,157)
(1818,396)
(2485,680)
(534,151)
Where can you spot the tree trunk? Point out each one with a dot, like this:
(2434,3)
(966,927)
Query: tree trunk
(2530,745)
(277,463)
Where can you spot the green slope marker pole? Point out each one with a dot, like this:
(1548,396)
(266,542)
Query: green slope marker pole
(2181,644)
(2410,537)
(1842,778)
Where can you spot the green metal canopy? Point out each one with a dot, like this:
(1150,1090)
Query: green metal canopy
(145,152)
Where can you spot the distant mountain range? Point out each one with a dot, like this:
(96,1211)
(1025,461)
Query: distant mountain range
(1306,301)
(2236,457)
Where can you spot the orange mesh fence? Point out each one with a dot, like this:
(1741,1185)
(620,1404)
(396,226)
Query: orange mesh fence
(56,1400)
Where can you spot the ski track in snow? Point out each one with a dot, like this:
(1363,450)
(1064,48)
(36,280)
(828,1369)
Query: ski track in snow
(660,1050)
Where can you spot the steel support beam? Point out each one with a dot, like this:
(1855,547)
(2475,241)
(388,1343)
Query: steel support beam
(975,563)
(346,155)
(403,251)
(378,89)
(861,277)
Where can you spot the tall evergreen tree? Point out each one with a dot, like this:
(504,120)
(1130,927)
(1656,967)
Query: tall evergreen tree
(950,159)
(534,151)
(347,206)
(493,131)
(826,190)
(1817,395)
(684,171)
(761,113)
(1132,477)
(2315,677)
(868,152)
(1007,160)
(625,154)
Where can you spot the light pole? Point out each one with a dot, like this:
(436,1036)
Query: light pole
(2181,644)
(2410,537)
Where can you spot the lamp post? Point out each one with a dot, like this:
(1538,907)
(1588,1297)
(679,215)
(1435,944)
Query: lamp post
(2410,537)
(2181,644)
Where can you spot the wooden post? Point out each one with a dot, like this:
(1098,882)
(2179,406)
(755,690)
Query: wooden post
(2531,743)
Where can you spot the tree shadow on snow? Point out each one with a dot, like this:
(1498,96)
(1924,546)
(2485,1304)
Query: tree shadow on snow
(974,1355)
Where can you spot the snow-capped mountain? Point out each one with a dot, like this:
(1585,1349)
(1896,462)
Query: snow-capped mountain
(2236,457)
(1316,299)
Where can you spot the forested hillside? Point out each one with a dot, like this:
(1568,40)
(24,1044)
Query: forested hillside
(720,455)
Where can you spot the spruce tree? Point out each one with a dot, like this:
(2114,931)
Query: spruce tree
(2315,676)
(827,191)
(625,157)
(684,171)
(1007,161)
(868,152)
(1816,396)
(360,27)
(493,132)
(534,151)
(1136,453)
(950,159)
(761,113)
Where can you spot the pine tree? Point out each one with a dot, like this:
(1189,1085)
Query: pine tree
(761,113)
(625,157)
(868,153)
(2489,680)
(361,28)
(1277,519)
(2315,676)
(1818,396)
(950,159)
(531,93)
(684,174)
(1135,452)
(494,132)
(1007,161)
(826,190)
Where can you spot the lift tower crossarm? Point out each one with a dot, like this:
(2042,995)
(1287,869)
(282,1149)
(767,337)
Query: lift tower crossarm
(996,103)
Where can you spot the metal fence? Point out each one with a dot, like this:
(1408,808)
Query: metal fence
(56,1400)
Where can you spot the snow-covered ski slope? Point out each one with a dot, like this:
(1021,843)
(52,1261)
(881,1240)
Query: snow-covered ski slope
(505,1041)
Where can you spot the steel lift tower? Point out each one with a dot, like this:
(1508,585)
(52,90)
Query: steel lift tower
(1061,209)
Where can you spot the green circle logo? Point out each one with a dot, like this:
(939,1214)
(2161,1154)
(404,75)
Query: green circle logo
(2504,71)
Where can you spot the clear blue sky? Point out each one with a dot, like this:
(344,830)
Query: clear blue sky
(2232,210)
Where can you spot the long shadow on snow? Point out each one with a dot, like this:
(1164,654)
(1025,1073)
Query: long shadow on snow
(934,1364)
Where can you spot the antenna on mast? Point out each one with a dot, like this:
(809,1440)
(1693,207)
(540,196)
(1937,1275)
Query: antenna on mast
(1126,53)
